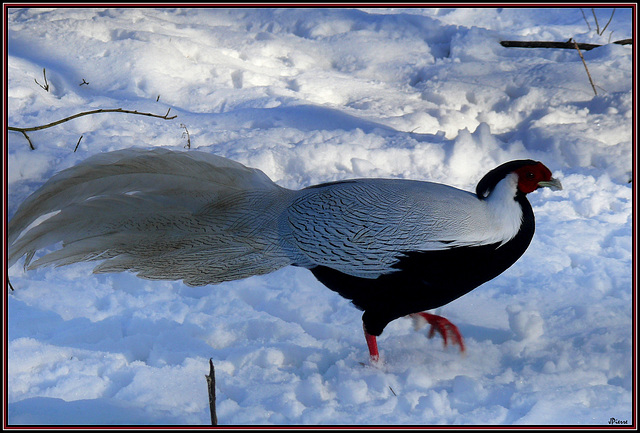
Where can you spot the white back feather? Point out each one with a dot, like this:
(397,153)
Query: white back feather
(362,227)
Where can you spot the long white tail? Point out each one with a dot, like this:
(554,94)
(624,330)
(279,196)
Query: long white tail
(165,215)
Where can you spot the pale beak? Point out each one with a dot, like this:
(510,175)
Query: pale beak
(554,184)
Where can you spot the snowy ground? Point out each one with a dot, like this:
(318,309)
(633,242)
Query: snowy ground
(313,95)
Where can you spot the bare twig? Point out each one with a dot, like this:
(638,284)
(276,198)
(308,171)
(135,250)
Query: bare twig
(186,133)
(83,82)
(598,31)
(79,140)
(593,11)
(85,113)
(585,67)
(211,386)
(608,22)
(9,283)
(46,84)
(25,136)
(551,44)
(585,19)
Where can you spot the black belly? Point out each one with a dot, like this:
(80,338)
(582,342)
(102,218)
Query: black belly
(424,280)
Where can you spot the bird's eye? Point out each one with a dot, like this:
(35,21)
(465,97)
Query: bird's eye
(530,175)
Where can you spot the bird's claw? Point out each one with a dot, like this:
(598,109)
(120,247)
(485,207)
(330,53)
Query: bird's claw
(443,326)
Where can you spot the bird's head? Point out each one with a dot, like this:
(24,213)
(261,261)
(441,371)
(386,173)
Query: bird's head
(531,176)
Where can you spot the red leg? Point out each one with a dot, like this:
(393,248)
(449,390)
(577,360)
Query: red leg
(444,327)
(372,343)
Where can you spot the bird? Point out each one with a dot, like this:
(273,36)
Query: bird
(392,247)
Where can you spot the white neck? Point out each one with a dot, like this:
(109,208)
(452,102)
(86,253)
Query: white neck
(504,210)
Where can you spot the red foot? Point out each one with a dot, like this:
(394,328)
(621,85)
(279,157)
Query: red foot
(444,327)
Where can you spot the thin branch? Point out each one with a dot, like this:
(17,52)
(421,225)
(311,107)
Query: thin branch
(551,44)
(593,11)
(608,22)
(211,386)
(585,19)
(83,82)
(46,84)
(585,67)
(86,113)
(25,136)
(9,283)
(79,140)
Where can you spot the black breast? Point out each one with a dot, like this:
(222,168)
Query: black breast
(427,279)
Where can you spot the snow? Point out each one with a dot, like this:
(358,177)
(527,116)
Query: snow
(309,96)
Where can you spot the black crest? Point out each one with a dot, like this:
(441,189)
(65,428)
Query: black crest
(491,179)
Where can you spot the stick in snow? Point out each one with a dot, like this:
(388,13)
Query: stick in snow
(211,385)
(550,44)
